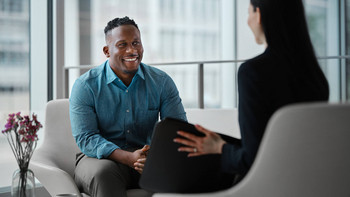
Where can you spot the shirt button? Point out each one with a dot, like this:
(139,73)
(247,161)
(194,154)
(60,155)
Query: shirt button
(127,110)
(126,91)
(128,131)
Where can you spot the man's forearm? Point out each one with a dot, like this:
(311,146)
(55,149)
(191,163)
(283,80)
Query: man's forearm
(122,156)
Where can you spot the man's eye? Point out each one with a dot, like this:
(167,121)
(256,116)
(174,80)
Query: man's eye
(136,43)
(122,45)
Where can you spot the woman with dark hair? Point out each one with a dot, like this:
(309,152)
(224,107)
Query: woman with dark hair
(286,72)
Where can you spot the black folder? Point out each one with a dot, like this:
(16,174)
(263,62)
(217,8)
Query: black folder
(167,170)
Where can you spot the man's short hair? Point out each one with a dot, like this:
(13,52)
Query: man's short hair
(118,22)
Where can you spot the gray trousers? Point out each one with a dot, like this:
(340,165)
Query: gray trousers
(104,177)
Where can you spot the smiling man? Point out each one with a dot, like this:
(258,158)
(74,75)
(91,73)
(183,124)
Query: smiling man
(113,109)
(124,50)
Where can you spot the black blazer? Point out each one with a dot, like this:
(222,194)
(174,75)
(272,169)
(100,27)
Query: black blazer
(266,83)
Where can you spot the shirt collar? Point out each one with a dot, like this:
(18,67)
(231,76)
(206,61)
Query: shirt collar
(111,76)
(140,71)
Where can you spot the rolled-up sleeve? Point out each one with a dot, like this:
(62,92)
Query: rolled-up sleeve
(84,123)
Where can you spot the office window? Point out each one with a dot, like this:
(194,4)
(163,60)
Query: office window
(14,74)
(317,22)
(177,31)
(195,30)
(12,6)
(171,31)
(323,22)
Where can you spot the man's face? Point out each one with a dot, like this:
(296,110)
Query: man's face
(124,49)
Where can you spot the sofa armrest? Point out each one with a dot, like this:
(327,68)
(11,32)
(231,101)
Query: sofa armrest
(54,179)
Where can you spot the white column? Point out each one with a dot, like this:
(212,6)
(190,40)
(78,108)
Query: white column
(228,35)
(38,60)
(71,39)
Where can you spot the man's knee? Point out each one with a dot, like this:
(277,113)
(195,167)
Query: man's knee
(106,177)
(110,171)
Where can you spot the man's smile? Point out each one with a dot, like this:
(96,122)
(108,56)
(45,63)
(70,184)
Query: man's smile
(130,59)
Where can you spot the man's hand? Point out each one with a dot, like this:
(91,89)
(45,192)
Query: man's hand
(145,149)
(130,158)
(140,163)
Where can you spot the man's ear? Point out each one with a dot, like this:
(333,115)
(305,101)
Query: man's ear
(106,51)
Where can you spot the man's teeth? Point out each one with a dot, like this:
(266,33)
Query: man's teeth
(130,60)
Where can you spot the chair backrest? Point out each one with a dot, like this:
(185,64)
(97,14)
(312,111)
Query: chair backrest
(223,121)
(305,152)
(58,139)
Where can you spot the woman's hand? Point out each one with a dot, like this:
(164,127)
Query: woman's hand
(211,143)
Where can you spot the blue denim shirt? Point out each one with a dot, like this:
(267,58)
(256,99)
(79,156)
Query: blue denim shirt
(106,115)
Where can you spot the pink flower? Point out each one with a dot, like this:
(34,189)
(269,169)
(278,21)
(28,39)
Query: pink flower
(21,133)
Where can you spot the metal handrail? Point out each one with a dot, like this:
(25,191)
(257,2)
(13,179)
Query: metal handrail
(200,72)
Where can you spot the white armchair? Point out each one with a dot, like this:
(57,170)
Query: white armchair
(304,152)
(53,162)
